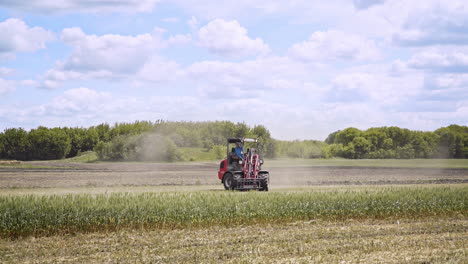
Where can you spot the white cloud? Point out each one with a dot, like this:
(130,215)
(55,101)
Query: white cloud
(228,92)
(433,23)
(445,81)
(334,45)
(170,19)
(212,9)
(180,39)
(5,71)
(229,38)
(105,56)
(84,106)
(441,59)
(53,6)
(6,86)
(159,70)
(76,101)
(376,85)
(114,53)
(364,4)
(193,23)
(325,14)
(257,75)
(18,37)
(54,78)
(445,87)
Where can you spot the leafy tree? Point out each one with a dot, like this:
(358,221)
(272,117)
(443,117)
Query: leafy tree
(16,144)
(242,130)
(103,131)
(219,151)
(349,152)
(82,139)
(2,148)
(405,152)
(447,143)
(347,135)
(264,137)
(376,138)
(331,137)
(304,149)
(387,144)
(100,150)
(47,144)
(361,147)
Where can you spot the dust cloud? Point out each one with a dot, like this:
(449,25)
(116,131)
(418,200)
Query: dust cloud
(329,175)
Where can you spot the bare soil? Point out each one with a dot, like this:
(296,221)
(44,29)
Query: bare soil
(62,174)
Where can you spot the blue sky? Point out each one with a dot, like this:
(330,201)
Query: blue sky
(302,68)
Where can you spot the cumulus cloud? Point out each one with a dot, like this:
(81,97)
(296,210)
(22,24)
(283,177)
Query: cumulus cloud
(439,23)
(76,101)
(446,87)
(85,106)
(229,38)
(104,56)
(250,77)
(334,45)
(53,6)
(441,59)
(446,81)
(159,70)
(114,53)
(18,37)
(376,85)
(8,86)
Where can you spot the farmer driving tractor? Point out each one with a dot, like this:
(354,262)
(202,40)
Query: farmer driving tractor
(237,155)
(242,171)
(239,151)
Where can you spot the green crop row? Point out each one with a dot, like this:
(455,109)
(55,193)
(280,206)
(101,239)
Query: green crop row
(45,215)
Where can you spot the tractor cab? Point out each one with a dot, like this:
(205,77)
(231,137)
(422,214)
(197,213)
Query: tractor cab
(241,169)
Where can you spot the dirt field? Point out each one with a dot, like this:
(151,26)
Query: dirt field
(64,175)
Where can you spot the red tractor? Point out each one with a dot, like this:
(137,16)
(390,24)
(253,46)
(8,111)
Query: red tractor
(242,171)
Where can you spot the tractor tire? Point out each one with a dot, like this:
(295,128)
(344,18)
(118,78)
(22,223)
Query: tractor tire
(228,181)
(263,186)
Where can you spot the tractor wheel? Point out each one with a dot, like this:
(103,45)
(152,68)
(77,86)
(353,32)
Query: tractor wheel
(263,186)
(228,181)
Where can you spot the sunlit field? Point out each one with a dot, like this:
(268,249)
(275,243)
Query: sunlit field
(179,212)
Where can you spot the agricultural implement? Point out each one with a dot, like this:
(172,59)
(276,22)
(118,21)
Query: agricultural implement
(243,173)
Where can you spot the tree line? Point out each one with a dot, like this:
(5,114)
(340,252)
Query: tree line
(398,143)
(162,141)
(140,140)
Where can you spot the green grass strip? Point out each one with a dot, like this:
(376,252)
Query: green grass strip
(46,215)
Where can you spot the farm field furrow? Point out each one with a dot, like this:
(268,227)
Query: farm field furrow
(163,174)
